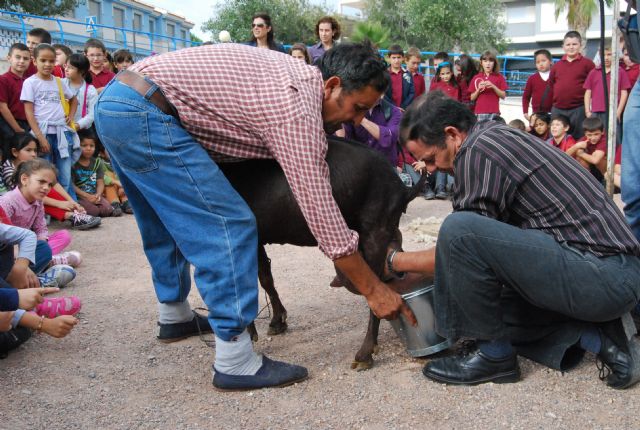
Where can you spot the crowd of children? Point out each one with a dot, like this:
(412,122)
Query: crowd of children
(53,167)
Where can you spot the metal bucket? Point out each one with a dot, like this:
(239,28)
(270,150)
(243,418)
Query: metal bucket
(421,340)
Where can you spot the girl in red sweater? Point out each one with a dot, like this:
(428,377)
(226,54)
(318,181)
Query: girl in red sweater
(446,82)
(489,86)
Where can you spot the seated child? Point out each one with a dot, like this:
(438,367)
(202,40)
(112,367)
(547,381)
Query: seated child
(113,191)
(559,130)
(23,206)
(88,178)
(591,150)
(58,203)
(518,123)
(540,125)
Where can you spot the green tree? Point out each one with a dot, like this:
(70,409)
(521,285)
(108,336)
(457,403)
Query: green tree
(579,14)
(447,25)
(292,20)
(372,31)
(194,38)
(39,7)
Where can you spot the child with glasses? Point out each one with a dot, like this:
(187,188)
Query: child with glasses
(96,52)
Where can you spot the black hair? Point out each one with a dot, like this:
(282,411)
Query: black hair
(562,118)
(301,47)
(395,50)
(18,47)
(446,65)
(358,65)
(122,55)
(43,47)
(572,35)
(442,55)
(267,21)
(30,167)
(592,123)
(543,116)
(81,62)
(468,67)
(44,35)
(18,142)
(64,48)
(94,43)
(544,52)
(427,117)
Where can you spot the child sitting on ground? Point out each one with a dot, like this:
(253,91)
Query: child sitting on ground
(559,130)
(88,179)
(113,191)
(540,122)
(79,81)
(518,123)
(24,208)
(58,203)
(591,150)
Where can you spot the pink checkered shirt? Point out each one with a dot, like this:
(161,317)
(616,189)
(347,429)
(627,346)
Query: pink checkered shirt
(243,102)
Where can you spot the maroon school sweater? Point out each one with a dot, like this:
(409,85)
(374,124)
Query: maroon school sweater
(567,79)
(533,92)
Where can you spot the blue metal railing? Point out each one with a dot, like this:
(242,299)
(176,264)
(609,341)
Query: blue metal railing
(66,37)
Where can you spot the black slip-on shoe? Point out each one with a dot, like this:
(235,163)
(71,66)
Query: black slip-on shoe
(619,358)
(472,368)
(175,332)
(271,374)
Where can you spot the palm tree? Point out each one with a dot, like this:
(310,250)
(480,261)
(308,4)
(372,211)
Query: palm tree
(373,31)
(579,13)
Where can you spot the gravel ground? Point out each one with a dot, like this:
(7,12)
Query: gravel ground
(112,373)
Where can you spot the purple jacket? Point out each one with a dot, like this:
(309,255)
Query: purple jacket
(387,117)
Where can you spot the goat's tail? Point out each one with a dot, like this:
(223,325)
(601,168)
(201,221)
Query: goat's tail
(413,191)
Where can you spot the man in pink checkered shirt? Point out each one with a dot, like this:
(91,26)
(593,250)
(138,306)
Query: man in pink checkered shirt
(168,121)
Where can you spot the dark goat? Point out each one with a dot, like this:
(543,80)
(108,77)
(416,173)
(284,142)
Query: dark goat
(371,198)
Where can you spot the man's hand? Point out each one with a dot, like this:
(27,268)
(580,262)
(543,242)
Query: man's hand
(59,326)
(387,304)
(29,298)
(21,276)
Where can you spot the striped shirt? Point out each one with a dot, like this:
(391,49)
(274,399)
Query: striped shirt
(239,102)
(510,176)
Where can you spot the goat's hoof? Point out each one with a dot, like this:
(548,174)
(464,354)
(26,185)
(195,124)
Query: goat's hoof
(254,337)
(359,366)
(276,329)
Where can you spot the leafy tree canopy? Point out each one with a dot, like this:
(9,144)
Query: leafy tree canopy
(39,7)
(292,20)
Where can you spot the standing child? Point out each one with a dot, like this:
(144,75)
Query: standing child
(24,207)
(414,58)
(567,79)
(35,37)
(62,55)
(44,97)
(100,72)
(298,50)
(559,130)
(438,58)
(58,204)
(594,102)
(489,86)
(401,90)
(445,81)
(79,81)
(88,179)
(11,108)
(123,58)
(537,90)
(468,70)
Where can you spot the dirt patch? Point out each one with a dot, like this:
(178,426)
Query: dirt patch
(111,372)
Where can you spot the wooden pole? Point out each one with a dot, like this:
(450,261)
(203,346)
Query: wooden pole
(613,97)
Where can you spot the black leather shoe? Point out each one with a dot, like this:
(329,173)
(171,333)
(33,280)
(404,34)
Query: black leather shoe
(619,357)
(473,367)
(270,375)
(175,332)
(10,340)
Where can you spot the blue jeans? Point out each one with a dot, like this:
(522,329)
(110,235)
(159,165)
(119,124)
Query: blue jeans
(630,175)
(186,210)
(62,164)
(43,257)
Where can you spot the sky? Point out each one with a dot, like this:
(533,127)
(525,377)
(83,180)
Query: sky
(199,11)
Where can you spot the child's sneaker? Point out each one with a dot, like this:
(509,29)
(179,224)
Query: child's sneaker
(82,221)
(70,258)
(57,276)
(56,306)
(117,210)
(126,207)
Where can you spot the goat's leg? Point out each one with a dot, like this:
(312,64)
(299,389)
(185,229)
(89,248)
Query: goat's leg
(364,357)
(278,322)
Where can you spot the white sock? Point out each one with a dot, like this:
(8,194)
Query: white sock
(237,357)
(172,313)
